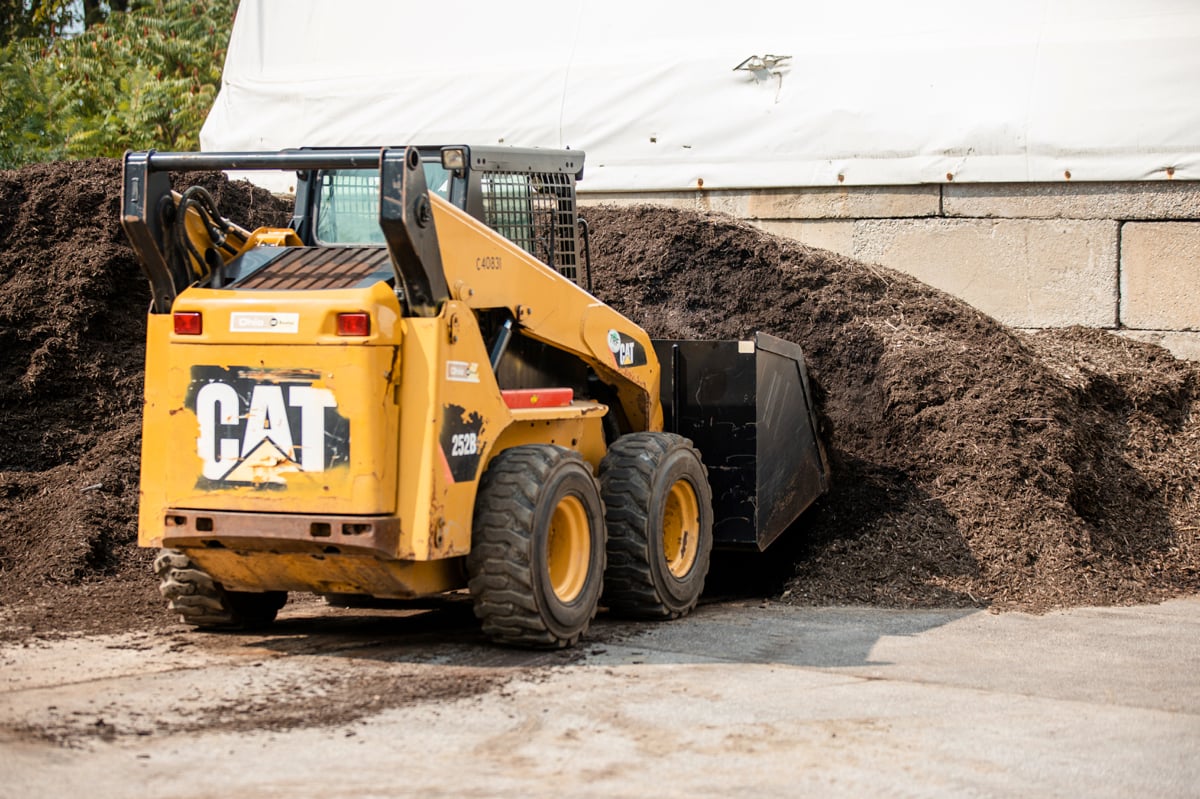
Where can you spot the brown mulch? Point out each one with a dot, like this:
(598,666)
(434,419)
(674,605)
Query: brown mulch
(974,465)
(72,342)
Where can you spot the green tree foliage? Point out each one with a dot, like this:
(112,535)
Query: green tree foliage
(37,18)
(141,78)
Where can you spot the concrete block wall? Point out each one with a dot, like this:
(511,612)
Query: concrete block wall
(1120,256)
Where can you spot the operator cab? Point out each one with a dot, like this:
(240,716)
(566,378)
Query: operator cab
(525,195)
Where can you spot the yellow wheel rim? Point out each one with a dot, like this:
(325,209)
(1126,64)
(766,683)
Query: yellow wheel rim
(568,549)
(681,528)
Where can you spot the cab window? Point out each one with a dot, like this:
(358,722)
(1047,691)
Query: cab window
(347,209)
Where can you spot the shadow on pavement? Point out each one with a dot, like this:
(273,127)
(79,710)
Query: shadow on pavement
(718,631)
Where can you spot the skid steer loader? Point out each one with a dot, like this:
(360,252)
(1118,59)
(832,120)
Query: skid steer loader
(410,391)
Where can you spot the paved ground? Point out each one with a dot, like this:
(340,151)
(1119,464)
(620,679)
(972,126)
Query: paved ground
(741,699)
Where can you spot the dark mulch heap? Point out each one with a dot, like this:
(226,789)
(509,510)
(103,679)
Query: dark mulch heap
(72,342)
(973,464)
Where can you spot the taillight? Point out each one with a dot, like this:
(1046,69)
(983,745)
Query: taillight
(188,323)
(354,324)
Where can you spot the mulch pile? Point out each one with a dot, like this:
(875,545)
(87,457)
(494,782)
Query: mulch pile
(974,465)
(73,305)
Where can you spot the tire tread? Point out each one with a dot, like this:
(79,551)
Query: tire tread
(501,575)
(202,602)
(627,480)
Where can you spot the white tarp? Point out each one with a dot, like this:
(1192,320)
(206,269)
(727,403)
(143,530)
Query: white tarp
(872,92)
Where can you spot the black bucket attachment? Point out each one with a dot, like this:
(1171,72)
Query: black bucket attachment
(747,407)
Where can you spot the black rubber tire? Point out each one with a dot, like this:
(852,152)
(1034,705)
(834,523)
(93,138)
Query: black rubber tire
(202,602)
(643,476)
(524,490)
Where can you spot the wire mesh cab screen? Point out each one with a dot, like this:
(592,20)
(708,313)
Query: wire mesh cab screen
(526,196)
(348,207)
(535,211)
(348,203)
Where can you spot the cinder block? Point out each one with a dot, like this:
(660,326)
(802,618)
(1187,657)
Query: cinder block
(1166,199)
(851,202)
(674,199)
(731,203)
(834,235)
(1185,346)
(1026,273)
(1160,275)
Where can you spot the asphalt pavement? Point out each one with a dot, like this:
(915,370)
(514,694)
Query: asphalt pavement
(740,699)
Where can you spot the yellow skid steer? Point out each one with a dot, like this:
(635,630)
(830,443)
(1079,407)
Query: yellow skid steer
(410,390)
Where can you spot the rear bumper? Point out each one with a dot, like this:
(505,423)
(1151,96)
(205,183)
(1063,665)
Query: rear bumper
(377,536)
(326,554)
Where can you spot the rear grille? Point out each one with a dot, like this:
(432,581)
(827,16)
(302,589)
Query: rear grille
(321,268)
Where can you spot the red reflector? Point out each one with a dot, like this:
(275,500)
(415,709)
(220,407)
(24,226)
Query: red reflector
(538,397)
(354,324)
(188,323)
